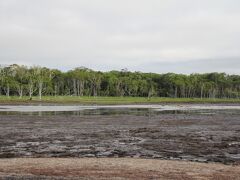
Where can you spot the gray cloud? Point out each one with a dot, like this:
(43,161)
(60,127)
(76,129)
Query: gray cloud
(230,66)
(157,35)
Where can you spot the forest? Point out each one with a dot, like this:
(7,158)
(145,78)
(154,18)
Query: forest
(18,80)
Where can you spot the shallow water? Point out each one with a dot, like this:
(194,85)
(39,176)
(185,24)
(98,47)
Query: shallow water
(147,110)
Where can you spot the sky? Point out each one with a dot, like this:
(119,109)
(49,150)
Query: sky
(187,36)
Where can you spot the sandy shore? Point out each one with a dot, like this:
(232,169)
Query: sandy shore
(113,168)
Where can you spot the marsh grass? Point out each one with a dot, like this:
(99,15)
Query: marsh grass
(109,100)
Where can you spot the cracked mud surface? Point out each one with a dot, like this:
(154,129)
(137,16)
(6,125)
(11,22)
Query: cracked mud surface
(193,137)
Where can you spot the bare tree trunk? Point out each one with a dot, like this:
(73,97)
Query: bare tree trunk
(74,87)
(20,91)
(150,92)
(30,90)
(214,93)
(40,84)
(7,90)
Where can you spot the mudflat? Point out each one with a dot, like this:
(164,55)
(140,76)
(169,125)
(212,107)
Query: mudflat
(136,143)
(194,137)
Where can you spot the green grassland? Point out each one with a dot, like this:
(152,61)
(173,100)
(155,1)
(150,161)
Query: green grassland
(108,100)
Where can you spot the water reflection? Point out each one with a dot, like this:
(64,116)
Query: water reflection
(121,111)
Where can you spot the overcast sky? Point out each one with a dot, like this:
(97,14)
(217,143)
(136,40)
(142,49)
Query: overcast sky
(182,36)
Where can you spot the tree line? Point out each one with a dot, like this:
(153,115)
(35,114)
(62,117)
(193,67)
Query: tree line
(18,80)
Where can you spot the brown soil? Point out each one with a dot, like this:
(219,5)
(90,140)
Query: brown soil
(113,168)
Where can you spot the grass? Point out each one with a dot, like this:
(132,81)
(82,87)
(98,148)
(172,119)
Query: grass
(109,100)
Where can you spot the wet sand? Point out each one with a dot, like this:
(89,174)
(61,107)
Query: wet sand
(112,168)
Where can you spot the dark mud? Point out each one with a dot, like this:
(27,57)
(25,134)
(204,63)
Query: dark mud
(209,137)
